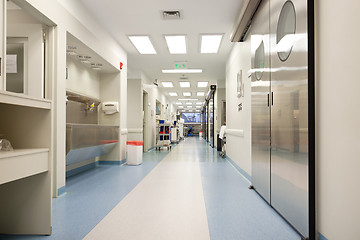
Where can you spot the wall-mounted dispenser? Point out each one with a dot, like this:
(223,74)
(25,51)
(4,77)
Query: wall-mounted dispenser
(110,107)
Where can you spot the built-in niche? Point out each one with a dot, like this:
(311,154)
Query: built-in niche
(26,45)
(81,109)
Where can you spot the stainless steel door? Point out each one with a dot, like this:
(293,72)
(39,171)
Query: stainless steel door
(260,101)
(289,113)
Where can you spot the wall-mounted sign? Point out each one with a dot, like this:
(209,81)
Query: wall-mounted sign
(121,65)
(180,65)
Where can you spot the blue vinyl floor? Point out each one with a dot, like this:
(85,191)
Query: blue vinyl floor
(233,211)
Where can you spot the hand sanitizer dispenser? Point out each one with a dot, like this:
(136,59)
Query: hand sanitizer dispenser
(110,107)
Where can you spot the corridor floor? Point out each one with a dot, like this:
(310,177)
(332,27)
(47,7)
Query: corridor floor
(187,193)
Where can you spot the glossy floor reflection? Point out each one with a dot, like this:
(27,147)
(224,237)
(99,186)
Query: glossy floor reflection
(187,193)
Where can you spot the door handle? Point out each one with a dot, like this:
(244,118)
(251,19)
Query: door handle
(272,98)
(268,98)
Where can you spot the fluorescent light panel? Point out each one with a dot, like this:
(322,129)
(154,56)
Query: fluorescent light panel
(198,106)
(181,71)
(210,43)
(199,103)
(178,103)
(186,94)
(202,84)
(188,99)
(143,44)
(200,94)
(167,84)
(189,106)
(173,94)
(180,106)
(188,103)
(184,84)
(176,44)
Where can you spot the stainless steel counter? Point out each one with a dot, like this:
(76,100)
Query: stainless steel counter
(86,141)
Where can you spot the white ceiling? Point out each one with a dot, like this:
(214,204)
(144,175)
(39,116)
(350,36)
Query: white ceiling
(139,17)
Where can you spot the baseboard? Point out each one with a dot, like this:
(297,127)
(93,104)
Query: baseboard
(61,191)
(240,170)
(112,162)
(80,169)
(321,237)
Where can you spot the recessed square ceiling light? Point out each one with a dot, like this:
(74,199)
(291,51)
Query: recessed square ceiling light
(173,94)
(188,103)
(187,94)
(210,43)
(199,103)
(143,44)
(178,103)
(176,44)
(202,84)
(167,84)
(200,94)
(184,84)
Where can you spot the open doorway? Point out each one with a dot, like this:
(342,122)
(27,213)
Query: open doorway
(145,121)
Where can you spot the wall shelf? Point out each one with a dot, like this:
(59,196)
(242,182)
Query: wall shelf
(21,163)
(24,100)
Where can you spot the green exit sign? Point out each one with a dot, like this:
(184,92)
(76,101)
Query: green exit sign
(180,65)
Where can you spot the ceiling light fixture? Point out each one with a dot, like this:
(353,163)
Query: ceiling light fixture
(142,44)
(167,84)
(188,99)
(173,94)
(189,106)
(176,44)
(180,106)
(178,103)
(210,43)
(200,94)
(184,84)
(199,103)
(186,94)
(182,71)
(188,103)
(202,84)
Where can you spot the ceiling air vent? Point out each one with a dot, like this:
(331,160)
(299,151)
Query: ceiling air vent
(171,15)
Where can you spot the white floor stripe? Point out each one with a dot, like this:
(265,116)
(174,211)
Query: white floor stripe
(167,204)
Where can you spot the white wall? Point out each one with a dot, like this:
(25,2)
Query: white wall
(338,118)
(238,123)
(135,110)
(109,91)
(154,94)
(82,79)
(84,28)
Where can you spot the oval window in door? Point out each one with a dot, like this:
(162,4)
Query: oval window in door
(259,61)
(285,34)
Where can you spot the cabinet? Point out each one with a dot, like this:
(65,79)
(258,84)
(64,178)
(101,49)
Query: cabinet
(25,173)
(26,121)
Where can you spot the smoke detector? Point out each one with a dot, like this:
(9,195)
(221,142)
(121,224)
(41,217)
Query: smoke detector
(183,77)
(172,15)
